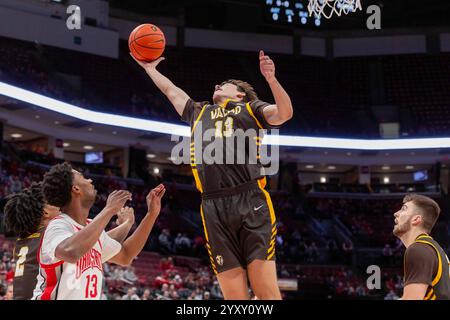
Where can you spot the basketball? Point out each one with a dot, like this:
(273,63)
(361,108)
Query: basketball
(147,42)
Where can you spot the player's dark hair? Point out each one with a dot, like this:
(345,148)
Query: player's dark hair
(24,211)
(245,87)
(57,185)
(429,209)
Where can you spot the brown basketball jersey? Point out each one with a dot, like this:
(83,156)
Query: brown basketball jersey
(440,286)
(27,266)
(225,122)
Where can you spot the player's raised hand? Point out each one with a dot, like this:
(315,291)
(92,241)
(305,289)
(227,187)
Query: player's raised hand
(266,66)
(154,199)
(126,215)
(117,199)
(148,65)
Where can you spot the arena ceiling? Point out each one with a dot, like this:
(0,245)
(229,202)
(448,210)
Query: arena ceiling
(251,15)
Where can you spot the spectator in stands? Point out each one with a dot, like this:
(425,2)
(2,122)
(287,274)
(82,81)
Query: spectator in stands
(166,264)
(173,294)
(182,244)
(361,291)
(117,273)
(146,295)
(9,293)
(165,241)
(131,294)
(283,272)
(197,294)
(216,293)
(391,296)
(129,276)
(16,184)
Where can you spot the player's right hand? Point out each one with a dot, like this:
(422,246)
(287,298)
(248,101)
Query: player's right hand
(154,199)
(148,65)
(117,199)
(126,215)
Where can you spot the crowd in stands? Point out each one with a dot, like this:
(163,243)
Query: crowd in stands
(168,284)
(332,94)
(179,233)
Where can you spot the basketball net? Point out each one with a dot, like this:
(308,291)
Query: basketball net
(326,8)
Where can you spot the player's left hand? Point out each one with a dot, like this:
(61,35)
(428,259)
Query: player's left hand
(154,199)
(266,66)
(126,215)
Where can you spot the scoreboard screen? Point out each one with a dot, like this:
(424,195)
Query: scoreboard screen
(290,12)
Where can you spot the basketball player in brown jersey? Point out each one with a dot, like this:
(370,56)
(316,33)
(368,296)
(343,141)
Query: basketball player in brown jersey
(237,213)
(426,266)
(26,215)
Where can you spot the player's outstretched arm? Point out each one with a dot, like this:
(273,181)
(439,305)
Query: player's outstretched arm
(281,111)
(176,96)
(136,242)
(125,221)
(75,247)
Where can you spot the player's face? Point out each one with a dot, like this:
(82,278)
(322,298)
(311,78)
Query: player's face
(227,91)
(403,219)
(86,188)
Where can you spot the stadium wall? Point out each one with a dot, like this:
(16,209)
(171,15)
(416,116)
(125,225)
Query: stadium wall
(52,31)
(445,42)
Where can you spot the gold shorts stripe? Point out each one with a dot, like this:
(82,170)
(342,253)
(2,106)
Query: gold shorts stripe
(204,224)
(271,255)
(198,184)
(269,203)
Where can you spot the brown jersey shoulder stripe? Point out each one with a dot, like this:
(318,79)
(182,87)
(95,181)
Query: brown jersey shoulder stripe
(439,272)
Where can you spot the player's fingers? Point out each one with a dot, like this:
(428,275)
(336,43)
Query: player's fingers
(125,195)
(162,193)
(261,54)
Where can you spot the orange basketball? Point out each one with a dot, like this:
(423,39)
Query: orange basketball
(147,42)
